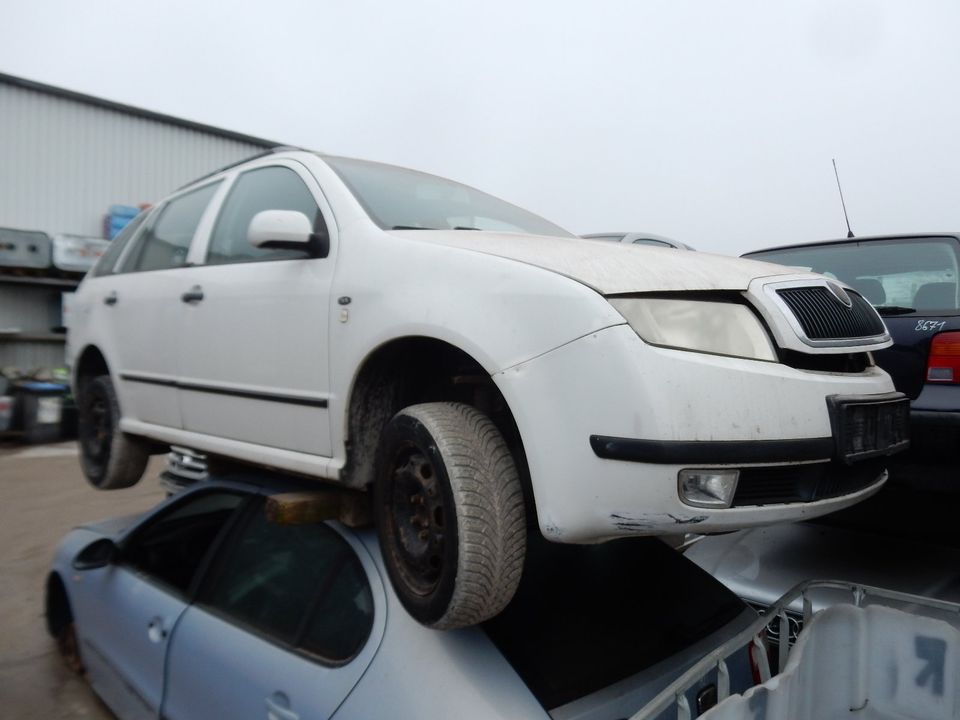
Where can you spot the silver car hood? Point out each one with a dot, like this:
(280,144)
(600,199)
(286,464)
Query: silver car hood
(610,268)
(762,564)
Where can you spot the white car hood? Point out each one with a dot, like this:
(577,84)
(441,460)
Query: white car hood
(610,268)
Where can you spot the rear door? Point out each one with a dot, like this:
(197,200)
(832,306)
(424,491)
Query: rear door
(285,627)
(253,344)
(143,308)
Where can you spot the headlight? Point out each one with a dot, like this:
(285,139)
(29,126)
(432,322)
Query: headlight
(703,326)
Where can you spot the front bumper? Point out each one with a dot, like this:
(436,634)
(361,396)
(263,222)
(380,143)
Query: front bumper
(612,384)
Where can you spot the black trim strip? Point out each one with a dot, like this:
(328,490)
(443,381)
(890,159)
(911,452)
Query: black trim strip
(711,452)
(213,390)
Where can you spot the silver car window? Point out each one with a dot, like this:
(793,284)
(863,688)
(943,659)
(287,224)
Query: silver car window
(165,243)
(300,585)
(269,188)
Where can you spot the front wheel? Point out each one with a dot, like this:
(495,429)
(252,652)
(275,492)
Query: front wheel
(450,515)
(110,459)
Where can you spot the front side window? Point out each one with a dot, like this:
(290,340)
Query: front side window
(108,260)
(270,188)
(401,199)
(899,276)
(169,549)
(300,585)
(166,242)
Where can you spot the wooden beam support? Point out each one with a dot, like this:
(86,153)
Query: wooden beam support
(350,507)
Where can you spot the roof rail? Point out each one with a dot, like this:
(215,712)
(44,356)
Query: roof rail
(255,156)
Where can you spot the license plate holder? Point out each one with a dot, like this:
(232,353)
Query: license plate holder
(869,427)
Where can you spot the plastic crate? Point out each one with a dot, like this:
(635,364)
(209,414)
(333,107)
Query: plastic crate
(871,663)
(117,218)
(24,249)
(76,253)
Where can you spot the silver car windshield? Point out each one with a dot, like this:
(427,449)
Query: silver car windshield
(401,199)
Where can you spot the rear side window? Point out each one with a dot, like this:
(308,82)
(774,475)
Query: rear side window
(300,585)
(108,260)
(270,188)
(587,616)
(901,275)
(166,241)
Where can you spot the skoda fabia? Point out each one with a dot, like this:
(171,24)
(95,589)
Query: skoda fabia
(475,367)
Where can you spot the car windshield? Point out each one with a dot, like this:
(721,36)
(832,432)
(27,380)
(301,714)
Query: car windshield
(587,616)
(899,275)
(401,199)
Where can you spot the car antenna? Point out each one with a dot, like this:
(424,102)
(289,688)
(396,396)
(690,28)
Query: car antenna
(842,203)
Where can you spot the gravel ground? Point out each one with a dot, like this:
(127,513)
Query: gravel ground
(43,495)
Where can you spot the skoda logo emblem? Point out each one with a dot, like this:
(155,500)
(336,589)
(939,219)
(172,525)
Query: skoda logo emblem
(840,294)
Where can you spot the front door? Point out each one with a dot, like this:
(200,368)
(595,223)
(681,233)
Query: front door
(127,612)
(253,346)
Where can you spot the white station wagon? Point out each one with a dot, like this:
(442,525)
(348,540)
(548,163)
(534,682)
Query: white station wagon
(475,366)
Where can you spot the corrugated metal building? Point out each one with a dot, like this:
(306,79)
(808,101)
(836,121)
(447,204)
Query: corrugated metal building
(65,158)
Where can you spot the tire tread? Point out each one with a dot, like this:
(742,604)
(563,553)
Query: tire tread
(488,498)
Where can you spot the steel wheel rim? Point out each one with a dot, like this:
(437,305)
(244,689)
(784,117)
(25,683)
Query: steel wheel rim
(98,427)
(417,520)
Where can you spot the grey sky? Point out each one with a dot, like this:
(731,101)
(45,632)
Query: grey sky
(710,122)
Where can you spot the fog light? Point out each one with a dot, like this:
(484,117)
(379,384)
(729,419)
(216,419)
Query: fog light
(708,488)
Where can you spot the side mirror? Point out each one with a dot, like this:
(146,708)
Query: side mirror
(97,554)
(287,230)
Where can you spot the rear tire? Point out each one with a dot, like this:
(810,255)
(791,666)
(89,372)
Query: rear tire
(450,515)
(61,626)
(110,459)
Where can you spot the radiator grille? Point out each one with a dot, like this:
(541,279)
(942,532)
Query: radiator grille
(824,317)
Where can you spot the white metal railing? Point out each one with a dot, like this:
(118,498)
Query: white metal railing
(675,694)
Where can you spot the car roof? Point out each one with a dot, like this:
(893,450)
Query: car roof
(854,241)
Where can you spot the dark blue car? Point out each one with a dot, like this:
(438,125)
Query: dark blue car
(913,282)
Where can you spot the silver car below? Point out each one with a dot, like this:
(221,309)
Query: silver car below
(209,607)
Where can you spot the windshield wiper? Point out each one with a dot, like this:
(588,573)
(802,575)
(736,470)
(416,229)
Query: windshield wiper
(464,227)
(410,227)
(894,309)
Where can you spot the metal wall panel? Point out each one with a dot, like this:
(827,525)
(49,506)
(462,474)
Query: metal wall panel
(27,355)
(63,162)
(34,310)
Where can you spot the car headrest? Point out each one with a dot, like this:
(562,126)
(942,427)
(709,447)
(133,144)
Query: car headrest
(936,296)
(871,289)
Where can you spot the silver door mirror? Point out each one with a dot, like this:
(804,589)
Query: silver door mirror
(280,229)
(97,554)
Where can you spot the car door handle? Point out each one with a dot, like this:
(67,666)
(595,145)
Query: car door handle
(194,294)
(110,299)
(156,630)
(278,708)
